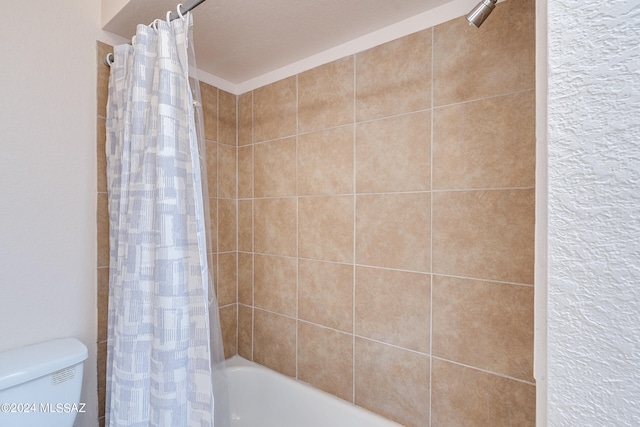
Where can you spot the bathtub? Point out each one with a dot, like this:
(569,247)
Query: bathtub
(261,397)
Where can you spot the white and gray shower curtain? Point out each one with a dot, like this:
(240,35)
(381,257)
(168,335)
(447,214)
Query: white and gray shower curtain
(160,354)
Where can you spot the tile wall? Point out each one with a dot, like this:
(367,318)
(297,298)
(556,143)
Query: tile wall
(102,215)
(386,224)
(374,223)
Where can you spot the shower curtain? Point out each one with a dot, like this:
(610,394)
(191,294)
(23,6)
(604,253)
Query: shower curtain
(164,350)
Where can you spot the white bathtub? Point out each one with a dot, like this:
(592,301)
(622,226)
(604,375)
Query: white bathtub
(261,397)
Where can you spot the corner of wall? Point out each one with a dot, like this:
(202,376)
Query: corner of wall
(540,313)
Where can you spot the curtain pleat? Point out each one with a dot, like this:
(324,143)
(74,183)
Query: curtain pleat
(158,357)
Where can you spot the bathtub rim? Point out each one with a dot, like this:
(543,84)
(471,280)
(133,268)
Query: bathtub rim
(238,362)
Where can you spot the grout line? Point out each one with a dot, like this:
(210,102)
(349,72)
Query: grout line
(319,325)
(355,264)
(280,138)
(325,129)
(297,224)
(355,207)
(501,282)
(486,371)
(226,305)
(431,232)
(394,116)
(217,198)
(460,190)
(484,98)
(253,257)
(237,101)
(391,193)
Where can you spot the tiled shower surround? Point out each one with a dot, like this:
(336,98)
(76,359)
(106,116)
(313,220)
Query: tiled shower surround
(374,223)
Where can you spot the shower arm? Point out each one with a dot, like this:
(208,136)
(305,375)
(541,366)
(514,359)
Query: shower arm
(479,13)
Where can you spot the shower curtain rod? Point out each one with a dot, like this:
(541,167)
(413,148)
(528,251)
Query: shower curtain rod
(184,8)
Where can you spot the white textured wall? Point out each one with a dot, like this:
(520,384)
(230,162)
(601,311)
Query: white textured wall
(594,213)
(48,178)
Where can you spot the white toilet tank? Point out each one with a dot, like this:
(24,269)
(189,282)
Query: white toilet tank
(40,384)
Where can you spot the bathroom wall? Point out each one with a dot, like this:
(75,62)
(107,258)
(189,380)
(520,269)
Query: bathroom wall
(47,171)
(219,111)
(385,225)
(593,223)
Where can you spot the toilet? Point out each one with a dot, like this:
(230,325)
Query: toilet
(40,384)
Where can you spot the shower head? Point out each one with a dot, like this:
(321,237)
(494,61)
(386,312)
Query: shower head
(479,13)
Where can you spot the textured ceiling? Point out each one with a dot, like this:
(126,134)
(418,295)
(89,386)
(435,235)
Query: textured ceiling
(238,40)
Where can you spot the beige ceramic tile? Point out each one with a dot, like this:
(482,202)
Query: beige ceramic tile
(227,226)
(245,225)
(209,97)
(102,50)
(394,154)
(212,168)
(274,168)
(325,228)
(226,171)
(392,382)
(228,326)
(495,59)
(325,359)
(275,284)
(274,342)
(484,324)
(227,278)
(325,96)
(274,226)
(213,224)
(102,377)
(463,396)
(393,307)
(394,78)
(245,278)
(325,294)
(245,172)
(213,272)
(245,331)
(103,229)
(325,162)
(484,234)
(490,143)
(245,119)
(101,157)
(226,118)
(103,303)
(392,230)
(274,110)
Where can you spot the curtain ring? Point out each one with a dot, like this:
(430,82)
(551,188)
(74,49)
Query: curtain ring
(179,11)
(154,24)
(108,60)
(169,17)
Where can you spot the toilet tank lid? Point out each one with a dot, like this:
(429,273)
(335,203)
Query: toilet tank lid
(24,364)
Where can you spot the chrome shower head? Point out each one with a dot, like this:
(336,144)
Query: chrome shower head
(479,13)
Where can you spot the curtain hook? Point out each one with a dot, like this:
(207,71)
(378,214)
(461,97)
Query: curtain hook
(154,24)
(179,11)
(169,17)
(108,60)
